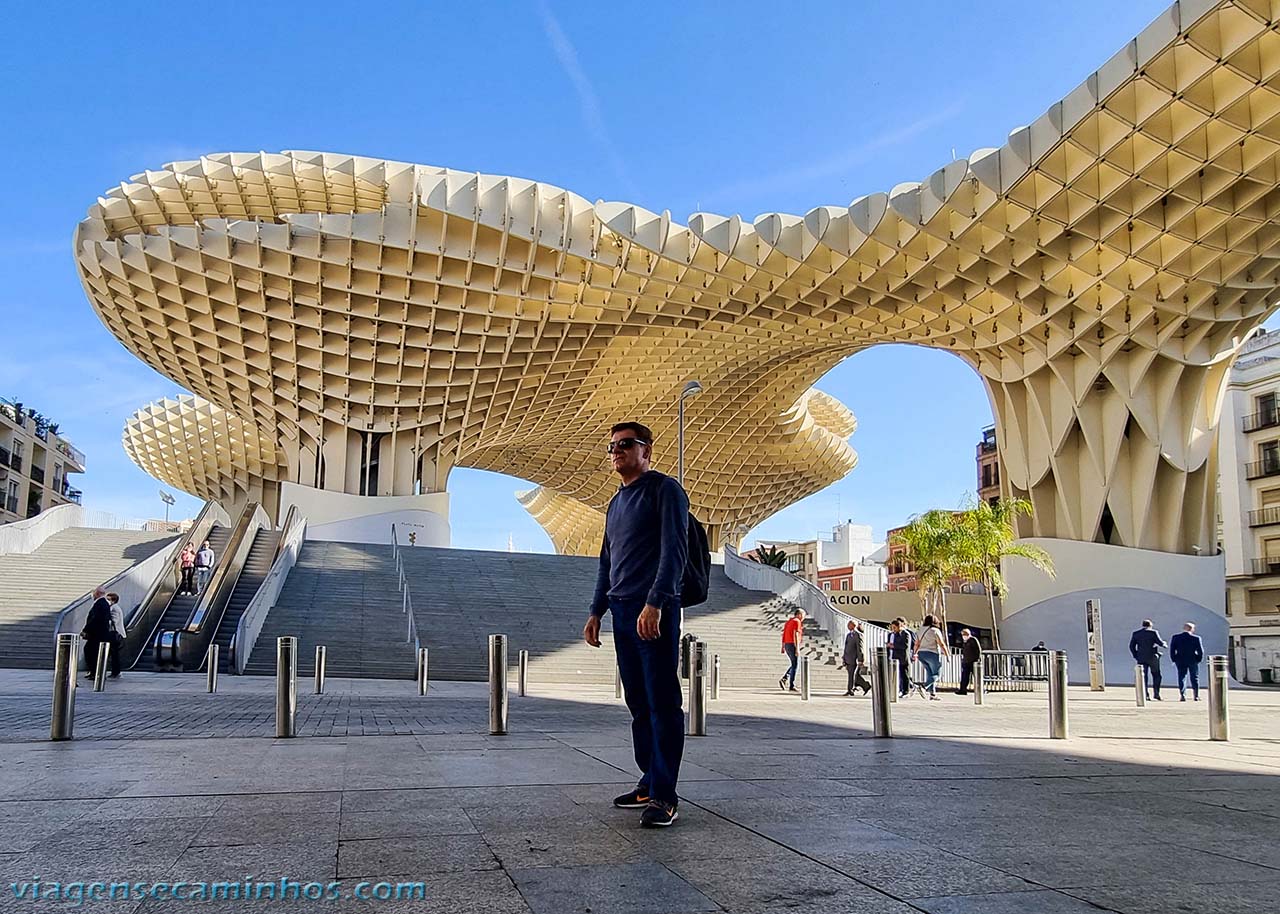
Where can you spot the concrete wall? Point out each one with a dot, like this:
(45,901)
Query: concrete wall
(1133,584)
(25,536)
(343,518)
(885,605)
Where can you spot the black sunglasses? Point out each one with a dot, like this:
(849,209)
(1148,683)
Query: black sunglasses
(624,444)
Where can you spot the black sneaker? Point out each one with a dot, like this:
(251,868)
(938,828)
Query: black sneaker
(782,683)
(636,799)
(658,814)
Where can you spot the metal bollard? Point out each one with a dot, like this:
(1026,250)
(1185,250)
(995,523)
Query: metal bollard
(882,686)
(715,677)
(979,682)
(422,671)
(1219,723)
(100,666)
(617,682)
(211,669)
(497,685)
(522,672)
(322,660)
(804,678)
(697,721)
(896,675)
(65,664)
(1057,695)
(1139,685)
(286,686)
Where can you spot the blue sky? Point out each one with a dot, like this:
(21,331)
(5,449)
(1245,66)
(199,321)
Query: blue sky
(749,108)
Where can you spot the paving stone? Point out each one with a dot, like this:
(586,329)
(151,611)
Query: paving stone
(313,860)
(380,858)
(1182,898)
(924,872)
(248,827)
(635,888)
(1041,902)
(405,822)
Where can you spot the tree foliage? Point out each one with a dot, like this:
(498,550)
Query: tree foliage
(769,555)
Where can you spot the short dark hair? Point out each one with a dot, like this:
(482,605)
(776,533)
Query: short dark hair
(928,621)
(1146,623)
(640,431)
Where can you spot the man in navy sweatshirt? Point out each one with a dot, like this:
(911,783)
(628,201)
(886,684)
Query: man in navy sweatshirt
(642,559)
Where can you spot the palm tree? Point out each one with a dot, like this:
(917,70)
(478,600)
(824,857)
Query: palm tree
(988,537)
(769,555)
(934,549)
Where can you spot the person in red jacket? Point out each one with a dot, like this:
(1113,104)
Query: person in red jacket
(792,633)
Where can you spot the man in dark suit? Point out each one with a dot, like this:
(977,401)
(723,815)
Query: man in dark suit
(900,650)
(852,661)
(1145,645)
(1186,651)
(970,656)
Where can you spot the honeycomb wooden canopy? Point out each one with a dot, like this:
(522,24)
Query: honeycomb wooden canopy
(1098,270)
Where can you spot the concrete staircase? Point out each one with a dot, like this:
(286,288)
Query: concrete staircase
(540,602)
(34,588)
(342,595)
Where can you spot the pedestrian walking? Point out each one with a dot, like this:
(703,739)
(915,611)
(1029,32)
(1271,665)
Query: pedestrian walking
(99,630)
(931,645)
(205,560)
(900,650)
(1145,645)
(854,659)
(642,564)
(1186,650)
(970,657)
(187,566)
(792,634)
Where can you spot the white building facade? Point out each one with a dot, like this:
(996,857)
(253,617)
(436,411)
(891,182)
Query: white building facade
(1249,480)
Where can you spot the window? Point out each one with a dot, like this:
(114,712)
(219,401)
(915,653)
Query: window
(1270,454)
(826,585)
(986,481)
(1267,413)
(844,585)
(1270,498)
(995,474)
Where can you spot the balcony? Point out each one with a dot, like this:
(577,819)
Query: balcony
(12,504)
(71,452)
(37,474)
(71,493)
(5,456)
(15,461)
(1267,418)
(1259,469)
(1265,566)
(1264,517)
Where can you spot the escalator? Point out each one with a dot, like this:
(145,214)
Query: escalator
(256,566)
(180,607)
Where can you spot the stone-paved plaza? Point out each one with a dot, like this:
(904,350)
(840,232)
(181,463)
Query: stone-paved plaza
(786,805)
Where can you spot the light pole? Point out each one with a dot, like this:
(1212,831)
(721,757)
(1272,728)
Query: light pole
(168,501)
(691,389)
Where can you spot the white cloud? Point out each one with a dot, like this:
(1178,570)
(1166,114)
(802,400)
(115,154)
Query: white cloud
(837,164)
(588,101)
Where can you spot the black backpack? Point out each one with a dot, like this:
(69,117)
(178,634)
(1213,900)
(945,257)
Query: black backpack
(697,567)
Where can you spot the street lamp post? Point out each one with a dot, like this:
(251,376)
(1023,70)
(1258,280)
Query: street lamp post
(168,501)
(691,389)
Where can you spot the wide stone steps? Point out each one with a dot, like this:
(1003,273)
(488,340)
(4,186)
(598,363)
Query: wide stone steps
(257,565)
(35,587)
(344,596)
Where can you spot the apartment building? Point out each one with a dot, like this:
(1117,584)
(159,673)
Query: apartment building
(988,458)
(1249,490)
(848,558)
(35,464)
(902,576)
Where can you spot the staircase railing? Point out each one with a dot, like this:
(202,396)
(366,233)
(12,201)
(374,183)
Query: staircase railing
(186,647)
(406,598)
(292,535)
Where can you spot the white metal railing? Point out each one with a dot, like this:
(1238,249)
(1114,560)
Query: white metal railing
(132,585)
(406,599)
(25,536)
(255,614)
(757,576)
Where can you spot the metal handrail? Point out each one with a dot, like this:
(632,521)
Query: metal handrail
(1257,469)
(1015,671)
(406,596)
(1265,418)
(293,534)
